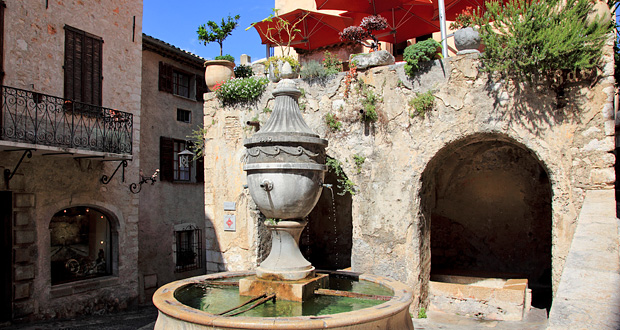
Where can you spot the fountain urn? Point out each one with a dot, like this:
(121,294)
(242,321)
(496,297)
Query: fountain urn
(285,168)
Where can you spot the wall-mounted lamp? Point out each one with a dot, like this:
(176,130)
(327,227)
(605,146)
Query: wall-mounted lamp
(184,158)
(136,187)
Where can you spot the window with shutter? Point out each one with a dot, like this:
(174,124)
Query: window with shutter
(165,77)
(2,6)
(83,66)
(166,158)
(201,87)
(171,169)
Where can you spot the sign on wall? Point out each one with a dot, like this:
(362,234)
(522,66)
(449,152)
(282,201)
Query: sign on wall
(230,222)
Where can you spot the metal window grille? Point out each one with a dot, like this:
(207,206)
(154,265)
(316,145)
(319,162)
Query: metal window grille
(188,249)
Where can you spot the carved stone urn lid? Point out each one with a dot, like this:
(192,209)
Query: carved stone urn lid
(286,123)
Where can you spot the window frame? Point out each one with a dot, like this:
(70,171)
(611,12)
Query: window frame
(193,246)
(184,116)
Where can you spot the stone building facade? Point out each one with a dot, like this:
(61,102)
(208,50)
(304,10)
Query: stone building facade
(172,221)
(490,182)
(70,117)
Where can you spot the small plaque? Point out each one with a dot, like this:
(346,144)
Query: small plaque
(230,222)
(229,206)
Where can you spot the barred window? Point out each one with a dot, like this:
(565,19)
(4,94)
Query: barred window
(187,247)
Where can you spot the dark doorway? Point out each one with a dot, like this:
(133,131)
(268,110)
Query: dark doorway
(491,215)
(327,240)
(6,254)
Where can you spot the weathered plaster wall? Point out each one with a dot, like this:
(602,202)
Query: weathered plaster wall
(391,234)
(43,185)
(165,204)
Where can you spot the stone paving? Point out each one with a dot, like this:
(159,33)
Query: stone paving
(442,321)
(142,318)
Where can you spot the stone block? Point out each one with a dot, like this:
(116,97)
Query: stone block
(21,218)
(23,309)
(150,281)
(24,272)
(602,176)
(23,200)
(25,255)
(21,291)
(24,237)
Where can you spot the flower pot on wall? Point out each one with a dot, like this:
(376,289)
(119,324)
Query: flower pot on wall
(218,71)
(467,40)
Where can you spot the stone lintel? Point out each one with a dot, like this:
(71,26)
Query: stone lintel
(285,290)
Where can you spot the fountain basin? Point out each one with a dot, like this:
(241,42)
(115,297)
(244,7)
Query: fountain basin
(392,314)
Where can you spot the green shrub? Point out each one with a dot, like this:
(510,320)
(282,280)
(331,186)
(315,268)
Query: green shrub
(344,183)
(525,38)
(332,122)
(331,63)
(243,71)
(422,103)
(359,161)
(313,69)
(241,90)
(422,313)
(369,102)
(226,57)
(419,53)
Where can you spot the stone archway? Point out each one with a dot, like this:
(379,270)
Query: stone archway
(488,199)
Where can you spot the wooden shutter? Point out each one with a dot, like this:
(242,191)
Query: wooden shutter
(83,66)
(166,158)
(201,87)
(165,77)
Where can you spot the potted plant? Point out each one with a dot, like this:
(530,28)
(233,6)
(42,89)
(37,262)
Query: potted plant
(281,33)
(220,69)
(361,34)
(466,37)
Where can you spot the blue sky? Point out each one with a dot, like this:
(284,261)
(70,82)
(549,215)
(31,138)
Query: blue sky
(176,22)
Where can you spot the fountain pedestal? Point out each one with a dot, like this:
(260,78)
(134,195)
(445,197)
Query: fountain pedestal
(285,290)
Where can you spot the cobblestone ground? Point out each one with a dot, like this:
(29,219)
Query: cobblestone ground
(443,321)
(142,318)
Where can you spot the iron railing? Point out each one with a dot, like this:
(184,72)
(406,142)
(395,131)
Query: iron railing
(36,118)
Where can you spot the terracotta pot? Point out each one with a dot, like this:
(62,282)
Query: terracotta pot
(218,71)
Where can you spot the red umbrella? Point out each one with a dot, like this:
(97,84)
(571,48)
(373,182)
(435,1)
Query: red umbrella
(455,7)
(315,29)
(405,22)
(371,7)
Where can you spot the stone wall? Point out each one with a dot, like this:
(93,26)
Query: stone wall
(43,185)
(166,203)
(392,208)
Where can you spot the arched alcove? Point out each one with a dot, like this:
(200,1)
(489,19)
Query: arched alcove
(82,244)
(488,199)
(327,240)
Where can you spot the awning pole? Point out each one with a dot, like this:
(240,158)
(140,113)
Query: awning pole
(442,28)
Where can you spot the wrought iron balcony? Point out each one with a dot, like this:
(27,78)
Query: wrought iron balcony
(40,119)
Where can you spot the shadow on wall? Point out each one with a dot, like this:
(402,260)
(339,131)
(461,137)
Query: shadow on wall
(327,240)
(488,200)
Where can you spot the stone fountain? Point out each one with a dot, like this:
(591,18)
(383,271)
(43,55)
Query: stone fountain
(285,168)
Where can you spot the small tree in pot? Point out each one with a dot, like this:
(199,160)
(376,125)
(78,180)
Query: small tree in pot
(221,69)
(365,31)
